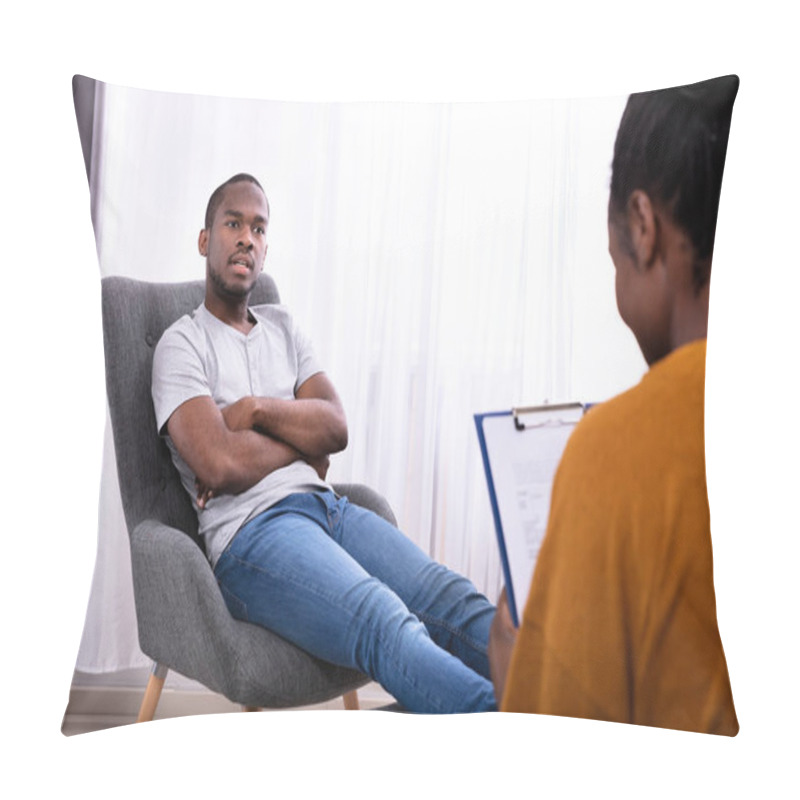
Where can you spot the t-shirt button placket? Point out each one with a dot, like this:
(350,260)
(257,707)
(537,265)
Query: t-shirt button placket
(252,363)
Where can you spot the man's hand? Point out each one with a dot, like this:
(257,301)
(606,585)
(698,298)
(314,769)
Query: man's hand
(204,494)
(502,635)
(313,422)
(321,465)
(239,415)
(222,460)
(231,449)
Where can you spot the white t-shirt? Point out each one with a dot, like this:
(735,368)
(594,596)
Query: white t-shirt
(199,355)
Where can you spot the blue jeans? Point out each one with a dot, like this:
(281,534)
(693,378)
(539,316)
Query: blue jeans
(346,586)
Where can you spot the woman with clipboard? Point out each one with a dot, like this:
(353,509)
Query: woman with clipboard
(620,623)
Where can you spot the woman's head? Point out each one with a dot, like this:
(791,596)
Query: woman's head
(669,157)
(671,144)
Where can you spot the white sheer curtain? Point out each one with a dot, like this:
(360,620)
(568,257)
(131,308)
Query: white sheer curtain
(445,259)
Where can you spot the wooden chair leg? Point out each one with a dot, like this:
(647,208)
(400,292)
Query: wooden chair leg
(152,693)
(351,700)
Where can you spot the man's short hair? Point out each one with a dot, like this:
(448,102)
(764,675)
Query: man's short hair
(671,143)
(216,195)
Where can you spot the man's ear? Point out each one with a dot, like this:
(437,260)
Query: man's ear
(643,228)
(202,242)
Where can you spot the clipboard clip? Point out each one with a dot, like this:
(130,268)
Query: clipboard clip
(520,412)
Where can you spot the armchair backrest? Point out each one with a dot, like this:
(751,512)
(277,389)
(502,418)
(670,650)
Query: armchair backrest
(135,314)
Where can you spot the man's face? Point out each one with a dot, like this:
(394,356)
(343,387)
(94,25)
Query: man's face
(236,243)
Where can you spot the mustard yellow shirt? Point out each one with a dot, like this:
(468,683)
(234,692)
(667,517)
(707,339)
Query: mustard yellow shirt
(621,622)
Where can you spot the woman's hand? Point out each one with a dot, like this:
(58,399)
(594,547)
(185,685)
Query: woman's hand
(502,636)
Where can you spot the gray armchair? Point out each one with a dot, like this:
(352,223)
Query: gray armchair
(183,621)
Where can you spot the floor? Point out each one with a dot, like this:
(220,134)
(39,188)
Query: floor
(96,708)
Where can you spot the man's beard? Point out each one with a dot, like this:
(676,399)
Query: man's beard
(235,292)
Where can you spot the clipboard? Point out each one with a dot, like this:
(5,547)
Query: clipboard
(521,450)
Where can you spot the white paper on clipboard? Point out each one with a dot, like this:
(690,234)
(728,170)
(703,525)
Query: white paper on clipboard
(521,450)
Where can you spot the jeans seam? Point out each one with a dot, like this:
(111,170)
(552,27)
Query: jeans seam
(458,633)
(226,591)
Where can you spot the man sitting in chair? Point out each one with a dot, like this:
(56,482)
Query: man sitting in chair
(251,419)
